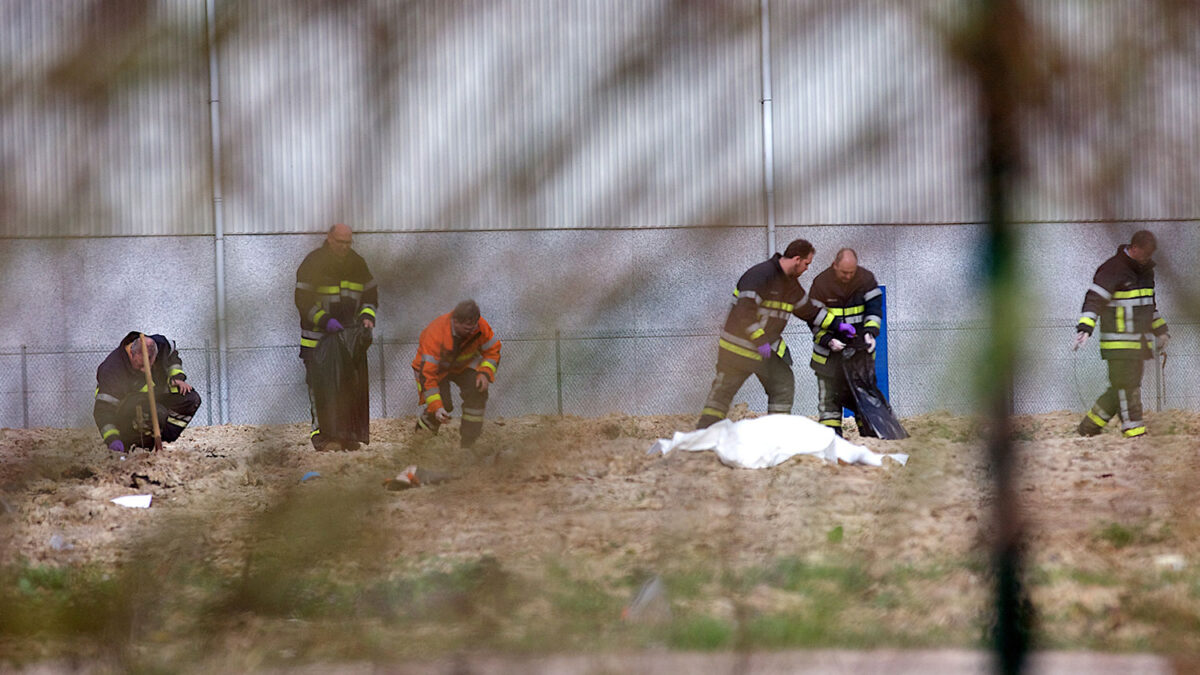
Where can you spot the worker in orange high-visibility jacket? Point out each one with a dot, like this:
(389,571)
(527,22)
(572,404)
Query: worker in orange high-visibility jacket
(458,347)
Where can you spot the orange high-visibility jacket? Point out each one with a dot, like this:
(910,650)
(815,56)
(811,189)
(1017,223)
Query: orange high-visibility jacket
(436,358)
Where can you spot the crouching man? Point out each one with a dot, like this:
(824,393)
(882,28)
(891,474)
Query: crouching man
(457,347)
(122,409)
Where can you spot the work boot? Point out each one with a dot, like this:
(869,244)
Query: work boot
(1088,428)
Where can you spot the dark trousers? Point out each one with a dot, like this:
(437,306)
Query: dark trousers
(1123,397)
(474,405)
(833,394)
(776,378)
(174,414)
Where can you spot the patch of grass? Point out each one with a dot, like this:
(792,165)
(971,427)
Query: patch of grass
(793,574)
(835,535)
(703,633)
(1121,535)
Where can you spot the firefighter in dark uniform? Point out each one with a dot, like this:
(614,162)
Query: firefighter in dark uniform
(851,303)
(1121,298)
(751,342)
(122,408)
(334,289)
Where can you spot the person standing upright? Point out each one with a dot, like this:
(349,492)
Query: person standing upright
(334,291)
(751,342)
(1121,298)
(853,303)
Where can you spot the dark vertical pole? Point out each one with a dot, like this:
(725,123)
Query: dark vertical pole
(24,388)
(997,58)
(881,346)
(208,379)
(558,367)
(382,381)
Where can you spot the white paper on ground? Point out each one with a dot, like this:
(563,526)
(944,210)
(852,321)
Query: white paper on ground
(134,501)
(771,440)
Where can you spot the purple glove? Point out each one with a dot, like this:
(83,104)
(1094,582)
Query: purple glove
(333,326)
(847,330)
(765,350)
(117,446)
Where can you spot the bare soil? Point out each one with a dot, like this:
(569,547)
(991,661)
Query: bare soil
(1113,527)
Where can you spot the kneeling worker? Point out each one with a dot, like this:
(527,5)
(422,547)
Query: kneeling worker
(122,409)
(457,347)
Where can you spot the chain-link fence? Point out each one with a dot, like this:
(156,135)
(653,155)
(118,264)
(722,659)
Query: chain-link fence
(930,368)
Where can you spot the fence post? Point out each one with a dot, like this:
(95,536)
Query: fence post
(208,379)
(558,367)
(383,381)
(24,388)
(1160,389)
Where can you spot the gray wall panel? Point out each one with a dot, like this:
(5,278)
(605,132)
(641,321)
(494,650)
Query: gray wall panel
(871,119)
(90,292)
(575,114)
(105,124)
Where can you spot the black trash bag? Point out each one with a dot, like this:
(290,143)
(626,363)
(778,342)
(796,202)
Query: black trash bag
(341,386)
(875,416)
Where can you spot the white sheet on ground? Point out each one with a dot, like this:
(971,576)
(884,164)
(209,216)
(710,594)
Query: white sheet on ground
(774,439)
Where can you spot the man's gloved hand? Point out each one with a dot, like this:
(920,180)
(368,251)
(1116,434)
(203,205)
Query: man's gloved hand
(1162,342)
(117,446)
(441,415)
(870,340)
(847,329)
(764,350)
(836,345)
(333,326)
(1081,339)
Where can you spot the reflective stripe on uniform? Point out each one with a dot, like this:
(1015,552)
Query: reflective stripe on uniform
(775,304)
(1134,293)
(713,412)
(1136,431)
(109,430)
(305,286)
(817,358)
(1100,291)
(844,311)
(1086,321)
(308,342)
(350,285)
(832,423)
(329,290)
(489,365)
(872,294)
(1096,419)
(1120,345)
(740,351)
(367,310)
(106,398)
(1158,323)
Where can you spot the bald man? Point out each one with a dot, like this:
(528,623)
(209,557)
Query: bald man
(334,291)
(854,304)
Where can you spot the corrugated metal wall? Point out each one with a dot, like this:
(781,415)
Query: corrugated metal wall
(568,114)
(873,120)
(104,127)
(499,115)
